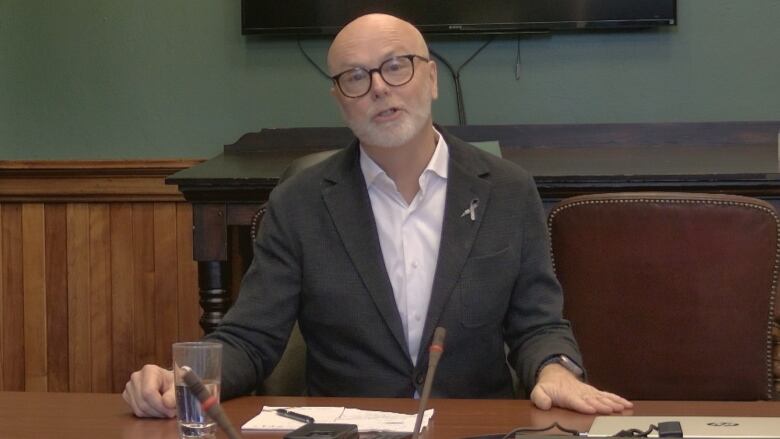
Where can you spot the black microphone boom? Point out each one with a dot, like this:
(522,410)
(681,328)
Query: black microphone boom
(435,351)
(209,402)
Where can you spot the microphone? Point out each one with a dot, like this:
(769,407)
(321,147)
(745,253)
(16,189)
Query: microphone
(209,402)
(435,351)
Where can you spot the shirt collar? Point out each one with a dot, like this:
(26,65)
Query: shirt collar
(439,163)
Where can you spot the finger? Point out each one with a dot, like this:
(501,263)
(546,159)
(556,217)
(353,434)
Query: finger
(139,407)
(579,404)
(159,391)
(169,394)
(127,395)
(145,387)
(616,404)
(626,404)
(606,403)
(540,398)
(601,405)
(150,404)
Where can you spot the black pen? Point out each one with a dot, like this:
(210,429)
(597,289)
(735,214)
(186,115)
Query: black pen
(297,416)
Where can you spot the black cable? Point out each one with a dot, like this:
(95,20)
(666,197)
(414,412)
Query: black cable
(456,79)
(633,432)
(490,40)
(458,100)
(517,60)
(443,61)
(311,61)
(524,430)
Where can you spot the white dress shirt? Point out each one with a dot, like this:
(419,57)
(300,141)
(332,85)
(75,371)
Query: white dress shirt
(409,235)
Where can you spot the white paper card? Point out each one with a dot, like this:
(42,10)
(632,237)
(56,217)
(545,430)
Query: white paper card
(366,420)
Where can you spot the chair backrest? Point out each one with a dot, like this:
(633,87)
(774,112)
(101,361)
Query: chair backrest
(671,295)
(289,376)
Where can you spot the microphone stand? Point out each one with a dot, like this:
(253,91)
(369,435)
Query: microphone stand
(436,349)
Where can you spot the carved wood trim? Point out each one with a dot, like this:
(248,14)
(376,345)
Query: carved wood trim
(90,180)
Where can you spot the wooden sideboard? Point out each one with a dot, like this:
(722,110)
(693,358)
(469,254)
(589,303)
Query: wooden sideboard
(566,160)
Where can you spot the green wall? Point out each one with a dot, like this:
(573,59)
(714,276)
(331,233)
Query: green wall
(111,79)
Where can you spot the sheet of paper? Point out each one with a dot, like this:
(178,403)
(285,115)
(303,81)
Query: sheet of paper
(366,420)
(268,419)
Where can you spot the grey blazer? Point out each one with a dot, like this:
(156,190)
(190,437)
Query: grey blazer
(318,259)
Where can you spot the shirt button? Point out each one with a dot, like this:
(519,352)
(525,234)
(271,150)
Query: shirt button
(414,264)
(417,317)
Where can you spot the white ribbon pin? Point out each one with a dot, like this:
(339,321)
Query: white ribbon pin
(472,210)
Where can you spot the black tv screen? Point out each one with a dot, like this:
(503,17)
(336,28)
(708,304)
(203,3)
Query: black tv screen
(326,17)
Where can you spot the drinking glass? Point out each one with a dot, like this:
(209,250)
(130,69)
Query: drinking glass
(205,359)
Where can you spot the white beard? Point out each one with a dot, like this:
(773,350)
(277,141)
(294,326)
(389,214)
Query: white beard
(396,133)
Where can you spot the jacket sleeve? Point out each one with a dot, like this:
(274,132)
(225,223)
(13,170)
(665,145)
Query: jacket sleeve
(534,327)
(255,330)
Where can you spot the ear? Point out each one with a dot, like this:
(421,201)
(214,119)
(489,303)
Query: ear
(434,78)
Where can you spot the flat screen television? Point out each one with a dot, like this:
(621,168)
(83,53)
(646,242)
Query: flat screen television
(326,17)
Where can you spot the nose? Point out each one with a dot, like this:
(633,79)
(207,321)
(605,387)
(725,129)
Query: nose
(378,85)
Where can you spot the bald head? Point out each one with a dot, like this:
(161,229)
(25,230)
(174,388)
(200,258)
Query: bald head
(377,33)
(386,59)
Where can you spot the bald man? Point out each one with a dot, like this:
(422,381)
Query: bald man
(406,229)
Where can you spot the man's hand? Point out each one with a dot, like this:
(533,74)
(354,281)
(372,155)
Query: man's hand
(151,393)
(559,387)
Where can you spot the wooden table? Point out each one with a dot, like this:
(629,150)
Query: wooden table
(93,415)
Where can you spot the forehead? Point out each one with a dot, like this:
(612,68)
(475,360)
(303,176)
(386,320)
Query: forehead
(369,47)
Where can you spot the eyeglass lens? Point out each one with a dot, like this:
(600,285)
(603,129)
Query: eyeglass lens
(394,71)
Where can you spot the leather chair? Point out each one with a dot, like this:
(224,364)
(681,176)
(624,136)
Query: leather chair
(671,296)
(289,376)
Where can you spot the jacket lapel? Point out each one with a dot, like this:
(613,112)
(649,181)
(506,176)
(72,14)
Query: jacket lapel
(465,184)
(345,195)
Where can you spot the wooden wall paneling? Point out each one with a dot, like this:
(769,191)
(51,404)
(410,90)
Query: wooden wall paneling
(97,276)
(187,270)
(13,298)
(100,296)
(56,260)
(34,279)
(79,333)
(143,278)
(122,289)
(166,319)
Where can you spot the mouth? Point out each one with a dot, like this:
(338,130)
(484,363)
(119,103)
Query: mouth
(387,114)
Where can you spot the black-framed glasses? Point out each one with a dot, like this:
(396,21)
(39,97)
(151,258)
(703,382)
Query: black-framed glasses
(396,71)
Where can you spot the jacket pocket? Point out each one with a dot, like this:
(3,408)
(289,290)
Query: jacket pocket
(485,287)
